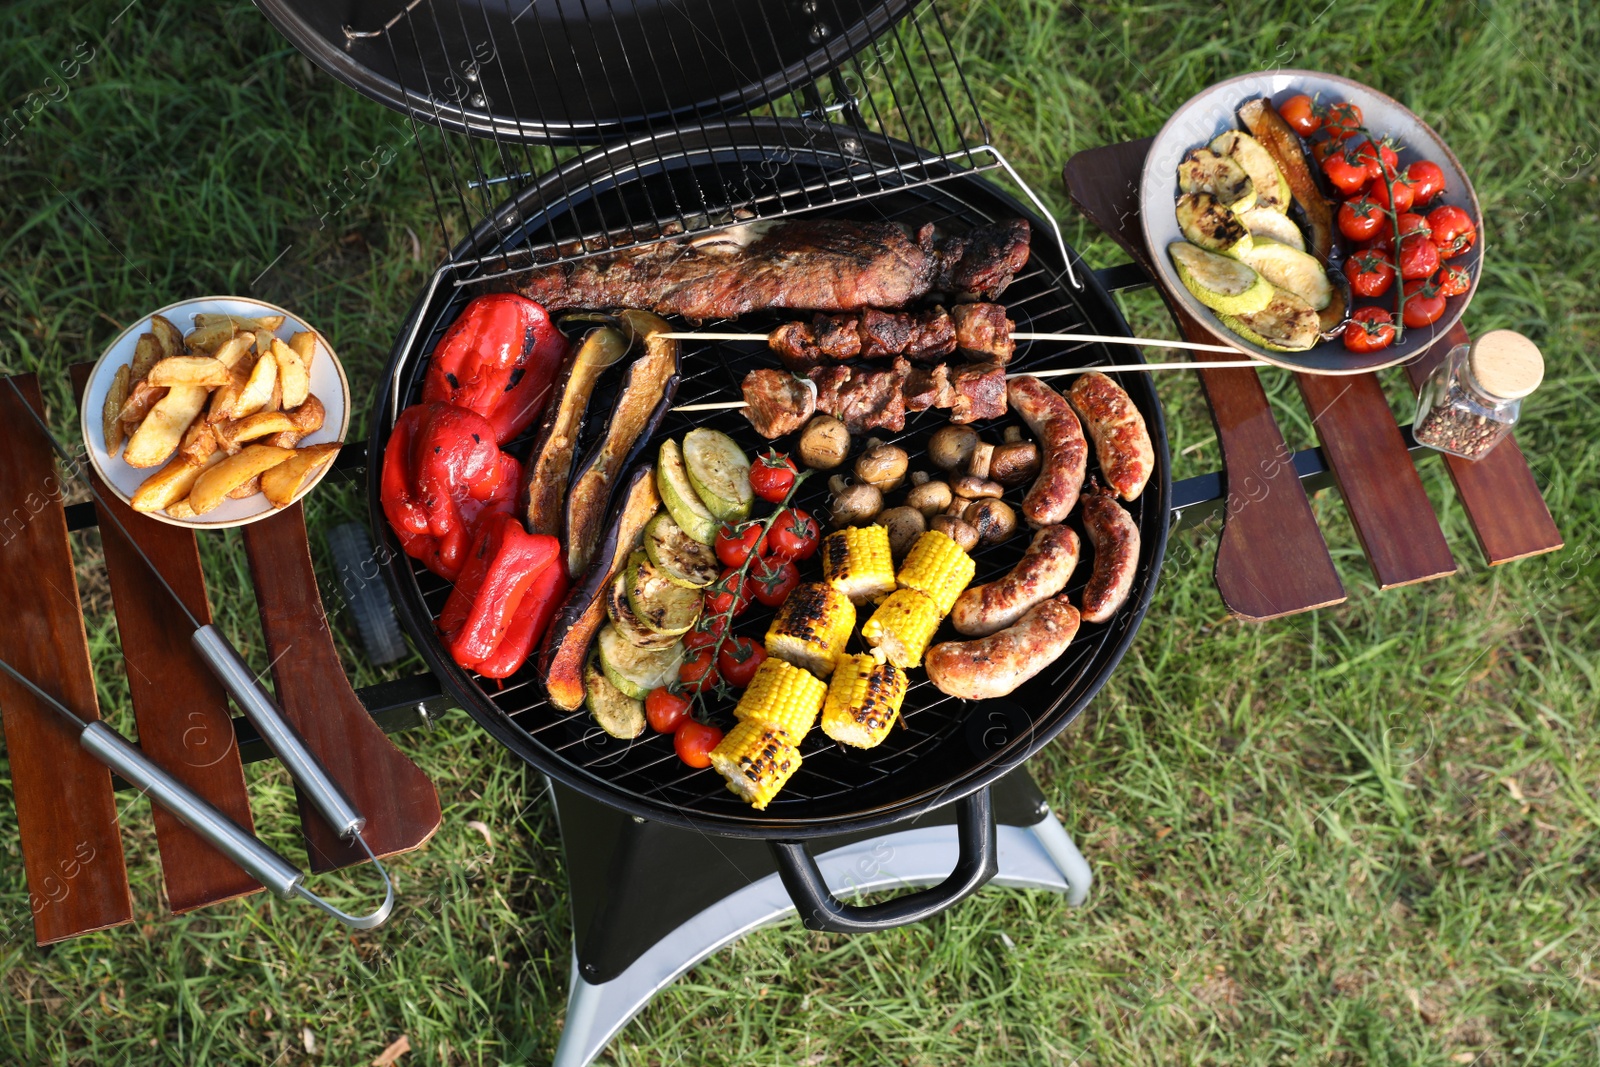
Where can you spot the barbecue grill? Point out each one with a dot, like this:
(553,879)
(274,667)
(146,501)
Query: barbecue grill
(842,110)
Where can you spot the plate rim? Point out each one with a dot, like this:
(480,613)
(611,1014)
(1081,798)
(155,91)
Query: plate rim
(1199,312)
(84,414)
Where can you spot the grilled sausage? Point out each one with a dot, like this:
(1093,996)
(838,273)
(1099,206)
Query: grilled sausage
(1115,538)
(1042,573)
(994,666)
(1063,451)
(1121,440)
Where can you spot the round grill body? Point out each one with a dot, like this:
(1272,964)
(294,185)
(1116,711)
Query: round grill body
(946,748)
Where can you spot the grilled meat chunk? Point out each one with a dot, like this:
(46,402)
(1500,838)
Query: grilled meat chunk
(984,332)
(921,335)
(928,387)
(817,264)
(864,399)
(777,402)
(978,391)
(825,339)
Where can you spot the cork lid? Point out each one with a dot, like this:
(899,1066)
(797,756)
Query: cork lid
(1506,364)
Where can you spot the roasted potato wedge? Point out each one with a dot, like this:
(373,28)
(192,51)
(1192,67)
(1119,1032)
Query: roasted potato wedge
(307,416)
(275,401)
(189,370)
(282,482)
(286,439)
(181,509)
(294,371)
(246,488)
(207,339)
(240,322)
(171,483)
(200,442)
(168,336)
(235,350)
(146,354)
(251,427)
(158,435)
(213,486)
(223,400)
(258,389)
(111,410)
(141,398)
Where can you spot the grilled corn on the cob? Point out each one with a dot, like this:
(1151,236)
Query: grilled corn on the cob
(863,700)
(784,696)
(938,568)
(902,627)
(856,562)
(756,758)
(811,628)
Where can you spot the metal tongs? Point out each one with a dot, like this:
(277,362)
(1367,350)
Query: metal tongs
(117,753)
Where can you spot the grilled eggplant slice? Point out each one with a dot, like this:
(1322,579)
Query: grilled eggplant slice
(1204,171)
(566,644)
(1287,324)
(1207,223)
(1219,282)
(1272,188)
(549,465)
(1295,271)
(646,395)
(1283,144)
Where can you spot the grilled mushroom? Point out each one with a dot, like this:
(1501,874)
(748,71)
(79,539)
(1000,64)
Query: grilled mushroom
(882,466)
(993,519)
(1016,463)
(905,525)
(854,504)
(957,529)
(951,446)
(930,498)
(976,488)
(824,443)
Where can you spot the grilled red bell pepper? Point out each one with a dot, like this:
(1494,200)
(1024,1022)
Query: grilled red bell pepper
(498,359)
(504,563)
(547,593)
(442,475)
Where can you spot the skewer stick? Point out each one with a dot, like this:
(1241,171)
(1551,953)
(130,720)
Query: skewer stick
(1221,364)
(1108,339)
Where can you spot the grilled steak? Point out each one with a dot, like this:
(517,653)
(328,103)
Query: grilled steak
(820,264)
(776,402)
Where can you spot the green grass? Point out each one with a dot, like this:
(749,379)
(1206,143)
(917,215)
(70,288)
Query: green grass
(1366,836)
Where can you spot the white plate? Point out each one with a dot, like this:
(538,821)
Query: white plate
(1215,110)
(327,382)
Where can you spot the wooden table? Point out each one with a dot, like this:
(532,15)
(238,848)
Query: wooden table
(1271,557)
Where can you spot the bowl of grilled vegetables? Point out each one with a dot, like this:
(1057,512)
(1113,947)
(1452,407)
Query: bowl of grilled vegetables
(1311,221)
(215,412)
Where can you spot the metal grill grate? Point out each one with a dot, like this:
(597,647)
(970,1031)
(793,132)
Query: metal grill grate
(529,79)
(937,750)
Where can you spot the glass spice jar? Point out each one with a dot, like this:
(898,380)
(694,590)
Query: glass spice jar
(1473,397)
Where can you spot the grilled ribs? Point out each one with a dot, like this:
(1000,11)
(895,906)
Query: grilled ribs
(813,264)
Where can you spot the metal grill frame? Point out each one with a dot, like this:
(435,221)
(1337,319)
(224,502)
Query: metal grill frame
(1074,679)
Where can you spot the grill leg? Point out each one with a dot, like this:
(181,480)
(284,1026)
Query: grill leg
(608,851)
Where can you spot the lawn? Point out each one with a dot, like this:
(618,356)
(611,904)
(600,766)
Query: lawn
(1366,835)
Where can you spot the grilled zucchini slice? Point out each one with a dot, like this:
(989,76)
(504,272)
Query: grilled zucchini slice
(1286,324)
(1293,271)
(1220,283)
(664,606)
(1206,222)
(636,670)
(720,473)
(680,557)
(682,502)
(1272,188)
(1274,225)
(620,612)
(613,710)
(1204,171)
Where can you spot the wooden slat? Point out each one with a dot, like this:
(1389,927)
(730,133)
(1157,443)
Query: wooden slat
(1388,506)
(398,800)
(1498,492)
(66,814)
(181,709)
(1271,558)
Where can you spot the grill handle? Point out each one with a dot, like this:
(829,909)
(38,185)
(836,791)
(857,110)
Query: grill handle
(821,910)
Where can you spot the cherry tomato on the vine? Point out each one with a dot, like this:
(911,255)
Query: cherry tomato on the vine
(1370,273)
(1453,230)
(772,580)
(1377,160)
(729,591)
(1321,150)
(1453,281)
(1361,219)
(735,544)
(1347,172)
(739,659)
(1419,257)
(1424,303)
(1302,114)
(693,741)
(1342,120)
(794,535)
(706,632)
(698,672)
(664,709)
(1426,180)
(1404,195)
(772,476)
(1369,329)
